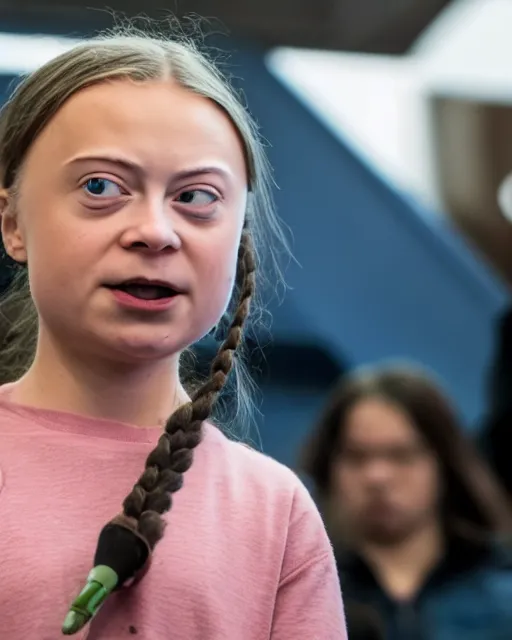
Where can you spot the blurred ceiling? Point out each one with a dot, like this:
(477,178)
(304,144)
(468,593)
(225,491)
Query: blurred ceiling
(370,26)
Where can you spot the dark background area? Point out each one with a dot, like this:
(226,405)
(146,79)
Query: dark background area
(376,26)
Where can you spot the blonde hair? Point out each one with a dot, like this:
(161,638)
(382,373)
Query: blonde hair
(35,101)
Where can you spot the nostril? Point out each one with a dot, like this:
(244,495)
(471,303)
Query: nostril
(149,247)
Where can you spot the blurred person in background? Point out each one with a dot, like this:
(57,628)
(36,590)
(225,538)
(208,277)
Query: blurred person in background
(417,521)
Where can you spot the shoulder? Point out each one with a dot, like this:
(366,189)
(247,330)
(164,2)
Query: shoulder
(276,496)
(257,472)
(487,584)
(12,416)
(6,389)
(498,574)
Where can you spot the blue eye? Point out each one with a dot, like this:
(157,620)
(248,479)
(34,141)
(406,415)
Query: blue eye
(197,197)
(102,187)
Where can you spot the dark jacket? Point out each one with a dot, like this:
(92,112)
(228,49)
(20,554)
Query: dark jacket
(362,622)
(496,432)
(467,597)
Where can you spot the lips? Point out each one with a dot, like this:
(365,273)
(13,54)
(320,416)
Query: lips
(146,289)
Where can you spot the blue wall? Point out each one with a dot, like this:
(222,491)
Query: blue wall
(379,278)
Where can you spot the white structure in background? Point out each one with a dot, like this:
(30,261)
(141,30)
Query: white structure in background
(374,103)
(378,104)
(23,53)
(467,52)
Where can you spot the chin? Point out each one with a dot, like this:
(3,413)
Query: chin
(146,346)
(385,533)
(134,354)
(147,350)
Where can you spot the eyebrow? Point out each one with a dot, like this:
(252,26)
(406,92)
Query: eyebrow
(137,169)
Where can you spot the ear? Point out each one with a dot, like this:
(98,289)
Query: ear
(12,235)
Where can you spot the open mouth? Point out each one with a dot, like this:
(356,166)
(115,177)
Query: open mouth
(145,291)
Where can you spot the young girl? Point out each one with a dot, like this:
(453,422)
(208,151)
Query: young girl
(133,189)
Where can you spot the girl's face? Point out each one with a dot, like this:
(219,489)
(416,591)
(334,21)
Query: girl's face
(130,187)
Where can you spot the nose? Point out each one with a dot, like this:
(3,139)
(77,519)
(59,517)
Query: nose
(377,472)
(151,228)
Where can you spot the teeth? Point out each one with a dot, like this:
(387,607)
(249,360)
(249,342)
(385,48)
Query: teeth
(147,292)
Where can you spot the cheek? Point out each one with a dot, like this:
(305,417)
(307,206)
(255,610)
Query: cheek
(48,267)
(60,261)
(216,272)
(423,489)
(49,237)
(348,486)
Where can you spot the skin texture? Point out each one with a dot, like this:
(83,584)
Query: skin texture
(171,171)
(386,478)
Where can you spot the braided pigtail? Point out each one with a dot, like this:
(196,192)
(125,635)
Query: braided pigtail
(125,544)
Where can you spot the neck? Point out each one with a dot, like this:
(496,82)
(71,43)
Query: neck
(402,568)
(143,395)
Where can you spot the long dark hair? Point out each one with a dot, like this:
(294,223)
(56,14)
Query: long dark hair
(474,503)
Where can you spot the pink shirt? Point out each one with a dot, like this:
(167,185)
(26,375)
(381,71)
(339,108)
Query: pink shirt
(245,555)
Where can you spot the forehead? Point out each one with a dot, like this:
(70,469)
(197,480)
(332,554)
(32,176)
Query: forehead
(154,118)
(375,421)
